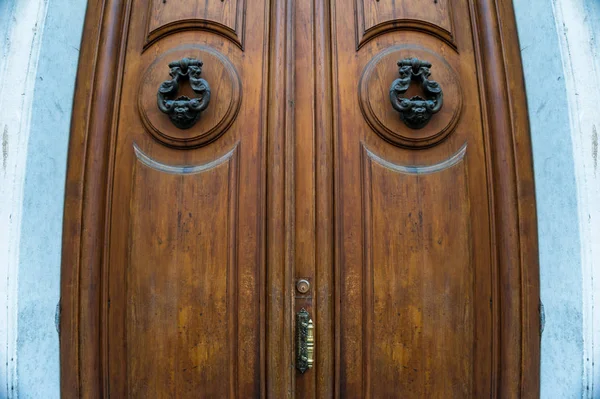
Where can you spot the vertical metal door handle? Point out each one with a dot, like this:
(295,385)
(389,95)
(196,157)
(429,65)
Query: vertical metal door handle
(305,341)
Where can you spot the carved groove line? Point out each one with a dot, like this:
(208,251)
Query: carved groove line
(424,169)
(180,170)
(368,287)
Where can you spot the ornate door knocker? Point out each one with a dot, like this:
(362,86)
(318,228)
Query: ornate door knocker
(416,111)
(183,111)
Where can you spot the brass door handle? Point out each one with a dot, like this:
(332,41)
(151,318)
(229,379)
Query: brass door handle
(305,341)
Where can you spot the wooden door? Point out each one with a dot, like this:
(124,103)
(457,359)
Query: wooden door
(223,151)
(434,231)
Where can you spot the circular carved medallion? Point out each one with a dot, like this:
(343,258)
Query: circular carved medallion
(374,98)
(225,98)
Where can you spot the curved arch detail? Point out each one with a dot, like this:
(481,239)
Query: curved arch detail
(193,24)
(180,169)
(454,160)
(406,24)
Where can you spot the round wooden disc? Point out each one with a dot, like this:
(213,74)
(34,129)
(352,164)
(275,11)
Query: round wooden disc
(377,109)
(224,103)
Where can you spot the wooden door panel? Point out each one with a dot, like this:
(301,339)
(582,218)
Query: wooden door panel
(417,280)
(185,234)
(182,286)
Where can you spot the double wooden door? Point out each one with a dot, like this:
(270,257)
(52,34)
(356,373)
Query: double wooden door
(233,162)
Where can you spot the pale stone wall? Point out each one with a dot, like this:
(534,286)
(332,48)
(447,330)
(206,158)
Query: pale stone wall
(39,50)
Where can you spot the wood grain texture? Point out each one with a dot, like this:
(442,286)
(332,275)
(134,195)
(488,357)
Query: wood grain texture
(417,279)
(85,200)
(111,355)
(279,109)
(514,198)
(493,342)
(225,99)
(182,280)
(225,18)
(375,17)
(526,205)
(313,223)
(185,344)
(179,265)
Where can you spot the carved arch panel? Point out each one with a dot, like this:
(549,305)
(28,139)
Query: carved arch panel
(376,17)
(223,17)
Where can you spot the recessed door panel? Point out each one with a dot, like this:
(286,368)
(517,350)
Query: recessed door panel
(418,279)
(225,17)
(375,17)
(181,279)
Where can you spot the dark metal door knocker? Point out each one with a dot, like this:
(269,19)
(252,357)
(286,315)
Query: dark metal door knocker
(183,111)
(416,111)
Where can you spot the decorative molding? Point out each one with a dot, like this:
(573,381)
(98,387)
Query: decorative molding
(279,213)
(365,34)
(383,118)
(420,169)
(180,170)
(216,119)
(405,24)
(514,224)
(97,93)
(234,33)
(190,25)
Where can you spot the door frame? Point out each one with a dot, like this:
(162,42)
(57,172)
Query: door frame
(87,201)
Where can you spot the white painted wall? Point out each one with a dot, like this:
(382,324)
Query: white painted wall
(577,23)
(556,192)
(39,52)
(22,31)
(562,73)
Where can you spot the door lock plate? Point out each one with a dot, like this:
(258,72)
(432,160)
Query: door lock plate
(305,347)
